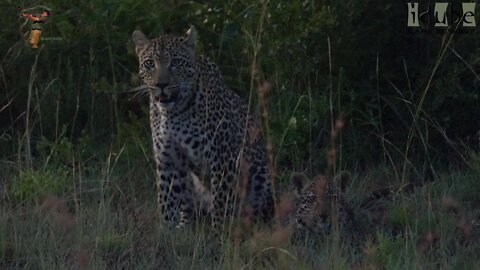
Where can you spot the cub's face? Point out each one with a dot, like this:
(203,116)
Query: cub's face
(313,204)
(167,66)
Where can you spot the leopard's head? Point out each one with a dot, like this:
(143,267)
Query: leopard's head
(313,199)
(167,66)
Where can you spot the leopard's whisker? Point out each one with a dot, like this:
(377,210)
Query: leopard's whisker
(140,92)
(144,94)
(135,95)
(140,88)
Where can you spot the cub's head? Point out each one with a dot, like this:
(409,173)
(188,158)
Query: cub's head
(313,200)
(167,66)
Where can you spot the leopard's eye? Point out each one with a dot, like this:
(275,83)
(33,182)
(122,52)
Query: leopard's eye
(175,62)
(149,63)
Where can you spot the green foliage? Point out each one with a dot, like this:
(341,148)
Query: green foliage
(388,249)
(399,217)
(322,58)
(474,159)
(34,184)
(109,234)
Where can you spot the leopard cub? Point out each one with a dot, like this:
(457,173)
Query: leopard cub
(317,202)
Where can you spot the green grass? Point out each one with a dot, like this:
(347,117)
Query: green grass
(434,225)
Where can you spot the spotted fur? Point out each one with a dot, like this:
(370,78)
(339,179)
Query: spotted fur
(317,202)
(201,131)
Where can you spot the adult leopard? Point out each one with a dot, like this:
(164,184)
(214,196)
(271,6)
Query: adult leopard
(200,130)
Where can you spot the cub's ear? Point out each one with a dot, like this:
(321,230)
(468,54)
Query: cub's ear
(299,181)
(190,37)
(141,41)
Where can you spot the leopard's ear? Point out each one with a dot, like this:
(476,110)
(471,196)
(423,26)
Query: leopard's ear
(190,37)
(299,182)
(141,41)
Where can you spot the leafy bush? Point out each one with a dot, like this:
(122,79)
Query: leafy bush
(33,184)
(322,58)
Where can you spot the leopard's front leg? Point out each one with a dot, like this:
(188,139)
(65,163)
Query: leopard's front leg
(174,198)
(223,192)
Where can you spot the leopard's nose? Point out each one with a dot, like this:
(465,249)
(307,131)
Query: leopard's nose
(162,85)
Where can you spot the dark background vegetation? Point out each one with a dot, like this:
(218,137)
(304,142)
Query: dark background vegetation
(411,101)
